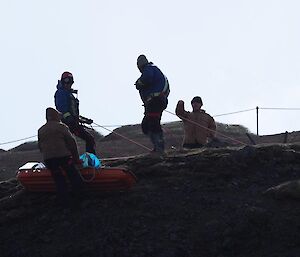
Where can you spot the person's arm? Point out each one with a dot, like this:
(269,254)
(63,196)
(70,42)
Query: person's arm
(180,111)
(39,142)
(70,142)
(212,127)
(146,79)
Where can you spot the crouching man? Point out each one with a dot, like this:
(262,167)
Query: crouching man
(60,153)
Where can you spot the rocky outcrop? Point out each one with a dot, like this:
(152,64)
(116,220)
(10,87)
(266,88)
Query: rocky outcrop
(206,202)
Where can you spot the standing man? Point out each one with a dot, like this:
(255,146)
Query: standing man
(198,125)
(59,150)
(68,105)
(154,89)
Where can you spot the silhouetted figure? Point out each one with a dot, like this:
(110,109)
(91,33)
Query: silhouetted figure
(60,153)
(154,89)
(199,127)
(68,105)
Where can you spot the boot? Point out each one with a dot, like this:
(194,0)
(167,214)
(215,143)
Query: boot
(158,142)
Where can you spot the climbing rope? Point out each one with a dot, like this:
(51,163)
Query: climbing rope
(18,140)
(126,138)
(229,113)
(90,179)
(218,115)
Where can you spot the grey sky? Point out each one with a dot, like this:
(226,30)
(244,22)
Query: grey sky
(235,54)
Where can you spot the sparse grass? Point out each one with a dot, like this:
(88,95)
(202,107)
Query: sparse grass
(232,128)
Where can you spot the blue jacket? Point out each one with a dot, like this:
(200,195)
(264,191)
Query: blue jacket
(152,83)
(65,101)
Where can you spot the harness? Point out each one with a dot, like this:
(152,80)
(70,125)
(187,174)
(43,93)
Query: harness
(164,93)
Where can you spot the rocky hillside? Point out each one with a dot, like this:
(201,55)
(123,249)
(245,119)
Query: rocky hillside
(207,202)
(129,141)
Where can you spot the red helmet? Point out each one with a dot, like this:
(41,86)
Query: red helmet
(67,78)
(66,74)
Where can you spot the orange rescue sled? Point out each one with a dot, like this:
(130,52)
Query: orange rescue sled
(35,177)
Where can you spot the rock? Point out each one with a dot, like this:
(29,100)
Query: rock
(289,189)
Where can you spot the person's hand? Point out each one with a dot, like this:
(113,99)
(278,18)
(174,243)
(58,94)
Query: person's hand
(89,121)
(78,163)
(85,120)
(138,84)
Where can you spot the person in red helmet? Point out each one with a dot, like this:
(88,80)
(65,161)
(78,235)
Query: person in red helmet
(68,105)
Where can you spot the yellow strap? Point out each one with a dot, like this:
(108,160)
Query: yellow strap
(67,114)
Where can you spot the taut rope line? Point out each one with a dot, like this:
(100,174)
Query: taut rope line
(130,140)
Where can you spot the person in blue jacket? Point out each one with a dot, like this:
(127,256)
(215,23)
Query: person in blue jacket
(153,87)
(68,105)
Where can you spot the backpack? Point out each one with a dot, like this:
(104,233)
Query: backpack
(90,160)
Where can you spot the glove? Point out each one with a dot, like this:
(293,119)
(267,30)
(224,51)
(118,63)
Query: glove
(79,162)
(85,120)
(89,121)
(139,84)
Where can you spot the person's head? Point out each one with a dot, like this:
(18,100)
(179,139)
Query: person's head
(67,79)
(196,103)
(142,61)
(52,114)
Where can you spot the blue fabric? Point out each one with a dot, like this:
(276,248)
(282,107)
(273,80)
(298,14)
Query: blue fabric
(90,160)
(62,98)
(65,101)
(153,79)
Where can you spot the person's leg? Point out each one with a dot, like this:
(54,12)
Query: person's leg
(145,125)
(73,175)
(154,113)
(157,141)
(60,182)
(82,133)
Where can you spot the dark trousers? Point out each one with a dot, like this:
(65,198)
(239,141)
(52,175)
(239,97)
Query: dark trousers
(152,115)
(151,122)
(56,167)
(79,131)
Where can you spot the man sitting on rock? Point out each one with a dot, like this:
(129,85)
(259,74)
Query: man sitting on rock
(199,126)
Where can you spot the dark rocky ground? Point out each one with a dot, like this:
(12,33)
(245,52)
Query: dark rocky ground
(209,202)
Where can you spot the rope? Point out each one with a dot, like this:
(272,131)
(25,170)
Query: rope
(281,109)
(247,110)
(221,134)
(88,180)
(120,125)
(126,138)
(14,141)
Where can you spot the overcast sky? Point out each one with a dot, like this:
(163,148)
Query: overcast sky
(235,54)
